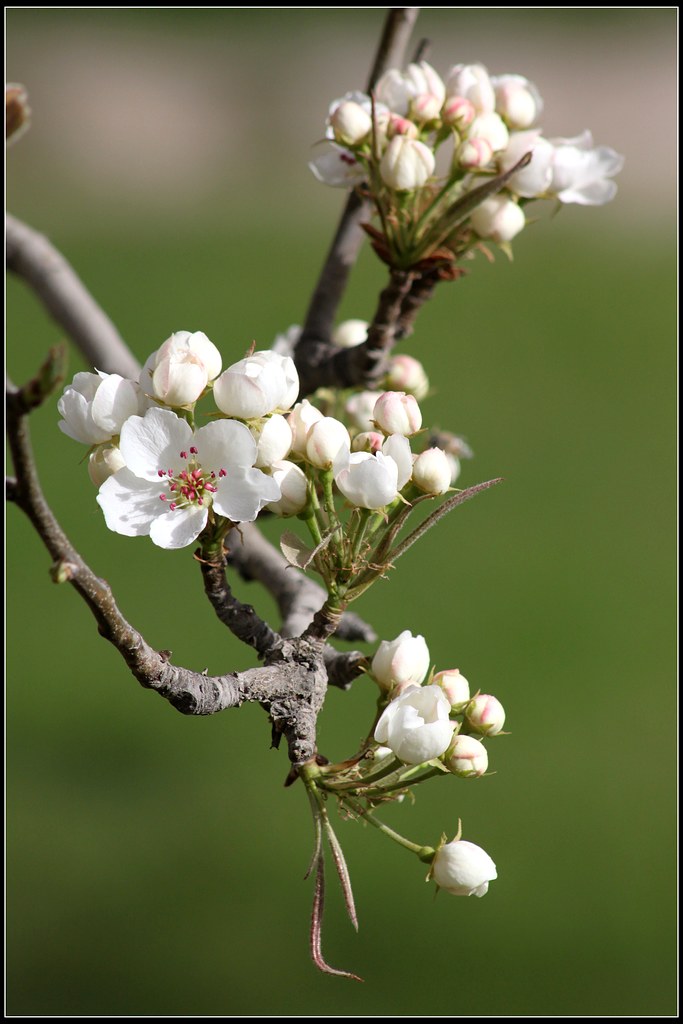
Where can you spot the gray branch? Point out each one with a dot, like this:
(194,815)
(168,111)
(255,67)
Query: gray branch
(32,257)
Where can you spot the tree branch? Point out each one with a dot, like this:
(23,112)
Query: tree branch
(241,619)
(32,257)
(313,347)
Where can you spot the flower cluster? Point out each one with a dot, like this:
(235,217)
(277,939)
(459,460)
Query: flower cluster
(496,158)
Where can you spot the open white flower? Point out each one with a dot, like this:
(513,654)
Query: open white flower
(337,167)
(173,476)
(582,172)
(463,869)
(373,479)
(416,724)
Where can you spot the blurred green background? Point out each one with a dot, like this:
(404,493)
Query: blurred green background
(155,863)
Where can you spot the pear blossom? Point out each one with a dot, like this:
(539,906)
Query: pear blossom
(360,407)
(485,714)
(257,385)
(518,101)
(198,345)
(327,442)
(373,480)
(407,164)
(432,471)
(350,123)
(492,128)
(416,724)
(407,374)
(466,757)
(581,172)
(104,462)
(534,179)
(402,661)
(179,378)
(474,153)
(368,441)
(454,685)
(419,86)
(301,419)
(350,333)
(463,869)
(95,406)
(293,485)
(458,112)
(273,440)
(472,82)
(173,477)
(498,218)
(338,167)
(397,413)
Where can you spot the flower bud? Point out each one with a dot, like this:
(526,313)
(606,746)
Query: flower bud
(498,218)
(368,441)
(292,483)
(369,481)
(408,375)
(492,128)
(517,100)
(198,345)
(416,725)
(350,123)
(466,757)
(472,82)
(326,442)
(458,112)
(257,386)
(403,660)
(474,153)
(179,378)
(350,333)
(273,439)
(95,406)
(301,419)
(397,125)
(425,107)
(397,413)
(432,471)
(463,869)
(407,164)
(485,714)
(103,463)
(454,685)
(534,179)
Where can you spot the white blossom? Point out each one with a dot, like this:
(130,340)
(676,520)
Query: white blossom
(95,406)
(416,724)
(472,82)
(402,661)
(337,167)
(467,757)
(498,218)
(454,685)
(432,471)
(273,440)
(327,442)
(518,100)
(463,869)
(350,333)
(582,172)
(301,419)
(257,385)
(292,483)
(397,413)
(407,164)
(485,714)
(173,476)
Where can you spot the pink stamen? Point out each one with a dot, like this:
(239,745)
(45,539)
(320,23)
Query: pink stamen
(173,506)
(194,451)
(161,472)
(163,497)
(211,488)
(197,474)
(183,455)
(222,472)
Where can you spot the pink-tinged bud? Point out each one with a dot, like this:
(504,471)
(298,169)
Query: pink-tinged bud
(485,714)
(301,419)
(293,489)
(492,128)
(466,757)
(407,374)
(517,100)
(425,107)
(498,218)
(103,463)
(397,413)
(327,441)
(397,125)
(197,345)
(350,333)
(454,685)
(407,164)
(472,82)
(179,378)
(273,441)
(368,441)
(458,112)
(401,661)
(432,471)
(463,869)
(350,123)
(474,153)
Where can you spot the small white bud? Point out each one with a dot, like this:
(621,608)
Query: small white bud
(454,685)
(326,442)
(485,714)
(350,333)
(498,218)
(466,757)
(463,869)
(397,413)
(292,483)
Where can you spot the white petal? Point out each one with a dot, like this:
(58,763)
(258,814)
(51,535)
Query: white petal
(178,528)
(337,167)
(114,402)
(242,494)
(224,443)
(397,447)
(154,442)
(78,422)
(130,504)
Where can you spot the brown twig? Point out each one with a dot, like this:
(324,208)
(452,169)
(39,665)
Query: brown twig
(313,347)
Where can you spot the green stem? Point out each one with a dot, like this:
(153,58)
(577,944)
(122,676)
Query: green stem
(425,853)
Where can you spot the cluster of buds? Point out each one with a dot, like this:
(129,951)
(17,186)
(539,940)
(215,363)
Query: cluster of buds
(161,474)
(428,725)
(497,159)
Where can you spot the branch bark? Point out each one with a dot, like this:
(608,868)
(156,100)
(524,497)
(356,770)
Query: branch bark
(32,257)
